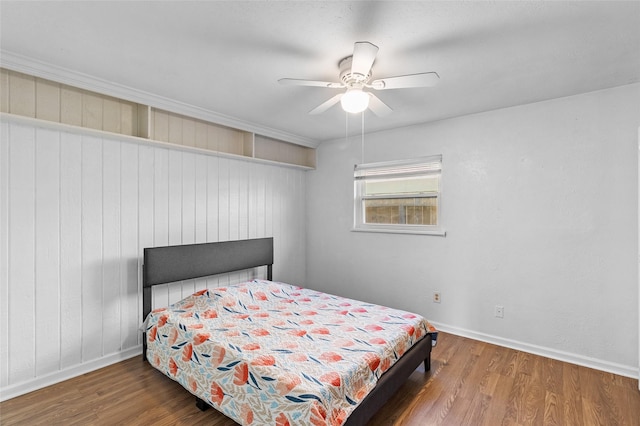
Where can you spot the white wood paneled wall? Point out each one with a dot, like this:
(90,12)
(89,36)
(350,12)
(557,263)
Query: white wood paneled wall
(77,209)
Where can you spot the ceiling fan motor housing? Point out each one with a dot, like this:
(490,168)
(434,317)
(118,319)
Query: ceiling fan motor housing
(352,80)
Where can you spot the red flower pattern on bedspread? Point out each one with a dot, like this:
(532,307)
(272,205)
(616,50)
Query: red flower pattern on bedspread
(241,374)
(266,353)
(200,338)
(282,420)
(187,352)
(209,314)
(217,394)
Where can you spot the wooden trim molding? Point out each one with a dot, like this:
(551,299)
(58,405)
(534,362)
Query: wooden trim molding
(138,140)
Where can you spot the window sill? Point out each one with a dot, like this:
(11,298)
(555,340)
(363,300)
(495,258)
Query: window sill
(439,232)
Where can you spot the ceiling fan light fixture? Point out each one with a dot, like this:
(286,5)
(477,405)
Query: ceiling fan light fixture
(355,101)
(355,74)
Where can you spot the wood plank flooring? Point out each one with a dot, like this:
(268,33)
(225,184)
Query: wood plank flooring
(470,383)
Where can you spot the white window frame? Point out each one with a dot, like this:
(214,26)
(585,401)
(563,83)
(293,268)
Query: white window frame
(430,166)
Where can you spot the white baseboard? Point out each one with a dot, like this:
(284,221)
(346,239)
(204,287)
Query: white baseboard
(22,388)
(598,364)
(18,389)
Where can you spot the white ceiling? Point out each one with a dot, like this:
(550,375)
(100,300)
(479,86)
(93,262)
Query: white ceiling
(226,57)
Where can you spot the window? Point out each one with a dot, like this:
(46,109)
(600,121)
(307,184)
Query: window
(399,196)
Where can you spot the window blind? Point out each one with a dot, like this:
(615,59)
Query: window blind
(420,166)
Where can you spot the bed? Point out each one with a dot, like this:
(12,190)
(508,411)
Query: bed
(264,352)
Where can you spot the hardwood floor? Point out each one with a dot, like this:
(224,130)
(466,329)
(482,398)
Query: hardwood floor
(470,383)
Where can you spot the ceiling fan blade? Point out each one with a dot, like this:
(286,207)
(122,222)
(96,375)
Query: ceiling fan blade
(326,105)
(297,82)
(378,107)
(364,53)
(425,79)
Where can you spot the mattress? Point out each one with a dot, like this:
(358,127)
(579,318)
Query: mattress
(267,353)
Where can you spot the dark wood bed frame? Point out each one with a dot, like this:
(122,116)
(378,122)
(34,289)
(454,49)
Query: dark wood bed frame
(168,264)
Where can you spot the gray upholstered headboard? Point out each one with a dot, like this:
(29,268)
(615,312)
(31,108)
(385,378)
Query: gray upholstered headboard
(175,263)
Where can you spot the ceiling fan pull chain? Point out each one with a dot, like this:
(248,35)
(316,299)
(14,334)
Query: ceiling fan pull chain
(346,128)
(362,140)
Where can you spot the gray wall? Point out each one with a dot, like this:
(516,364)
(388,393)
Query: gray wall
(540,205)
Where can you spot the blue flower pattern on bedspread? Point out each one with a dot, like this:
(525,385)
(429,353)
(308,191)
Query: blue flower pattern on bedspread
(267,353)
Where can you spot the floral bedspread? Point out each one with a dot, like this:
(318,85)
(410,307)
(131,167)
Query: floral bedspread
(267,353)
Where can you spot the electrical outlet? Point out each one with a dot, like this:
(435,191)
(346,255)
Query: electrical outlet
(499,312)
(436,297)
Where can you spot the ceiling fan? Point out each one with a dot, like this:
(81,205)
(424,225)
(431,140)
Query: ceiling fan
(355,75)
